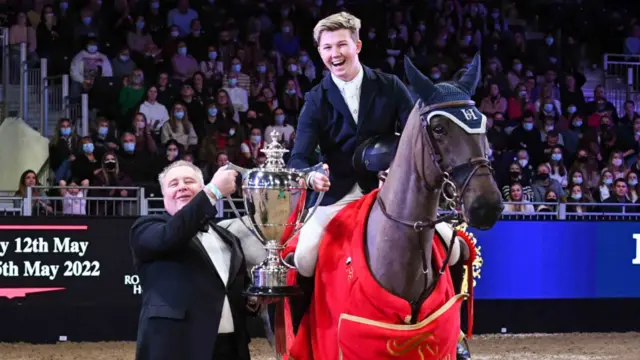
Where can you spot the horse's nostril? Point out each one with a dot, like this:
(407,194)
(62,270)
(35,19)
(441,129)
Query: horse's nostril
(483,213)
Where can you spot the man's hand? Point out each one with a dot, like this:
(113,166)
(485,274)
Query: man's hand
(319,181)
(225,181)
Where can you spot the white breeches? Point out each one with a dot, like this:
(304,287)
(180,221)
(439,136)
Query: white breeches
(311,234)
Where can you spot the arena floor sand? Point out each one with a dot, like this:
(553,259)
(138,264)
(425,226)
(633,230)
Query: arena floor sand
(489,347)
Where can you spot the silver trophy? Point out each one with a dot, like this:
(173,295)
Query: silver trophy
(274,200)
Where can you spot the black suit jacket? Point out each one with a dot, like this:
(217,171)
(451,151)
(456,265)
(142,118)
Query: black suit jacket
(325,120)
(183,293)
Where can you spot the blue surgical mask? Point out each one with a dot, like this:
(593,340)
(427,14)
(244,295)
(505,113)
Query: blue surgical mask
(236,67)
(291,91)
(155,5)
(196,32)
(178,114)
(64,5)
(549,41)
(261,69)
(213,55)
(571,109)
(633,182)
(548,107)
(279,119)
(435,76)
(88,148)
(556,157)
(213,112)
(577,196)
(103,131)
(92,49)
(577,123)
(607,181)
(129,147)
(422,27)
(528,126)
(522,93)
(577,180)
(232,131)
(182,51)
(372,35)
(286,29)
(65,131)
(293,67)
(86,20)
(124,58)
(233,82)
(304,59)
(256,138)
(140,24)
(175,34)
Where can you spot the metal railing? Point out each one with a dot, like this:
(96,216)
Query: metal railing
(135,202)
(621,78)
(28,92)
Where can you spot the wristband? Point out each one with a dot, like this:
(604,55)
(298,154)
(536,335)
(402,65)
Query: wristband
(216,192)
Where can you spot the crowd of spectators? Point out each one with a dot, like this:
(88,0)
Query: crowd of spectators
(208,81)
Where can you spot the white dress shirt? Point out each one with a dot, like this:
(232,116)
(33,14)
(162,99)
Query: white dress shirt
(350,91)
(220,256)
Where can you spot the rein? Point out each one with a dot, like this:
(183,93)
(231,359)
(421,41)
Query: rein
(462,174)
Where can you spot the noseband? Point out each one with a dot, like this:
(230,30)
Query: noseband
(446,178)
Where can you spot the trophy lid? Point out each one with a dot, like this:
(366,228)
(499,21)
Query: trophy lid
(275,154)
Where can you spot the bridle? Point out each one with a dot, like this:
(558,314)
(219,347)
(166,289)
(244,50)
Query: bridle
(446,179)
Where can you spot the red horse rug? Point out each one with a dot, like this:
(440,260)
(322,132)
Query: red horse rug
(352,317)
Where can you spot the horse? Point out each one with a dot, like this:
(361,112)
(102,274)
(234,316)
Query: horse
(442,153)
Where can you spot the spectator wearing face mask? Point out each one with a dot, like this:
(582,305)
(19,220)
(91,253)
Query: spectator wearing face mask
(86,163)
(212,67)
(259,79)
(578,197)
(110,174)
(244,81)
(182,63)
(142,130)
(239,96)
(86,27)
(122,64)
(605,186)
(179,128)
(548,107)
(197,41)
(103,138)
(599,106)
(551,200)
(616,165)
(543,183)
(494,102)
(62,149)
(285,42)
(571,126)
(155,112)
(171,153)
(515,175)
(634,189)
(527,136)
(285,130)
(528,169)
(629,115)
(86,66)
(495,75)
(517,204)
(250,148)
(588,167)
(291,99)
(558,169)
(548,53)
(139,38)
(293,72)
(619,195)
(307,67)
(516,74)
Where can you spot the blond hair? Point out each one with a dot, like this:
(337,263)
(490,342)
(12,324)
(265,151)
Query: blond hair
(335,22)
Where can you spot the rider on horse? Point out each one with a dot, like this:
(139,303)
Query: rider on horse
(348,108)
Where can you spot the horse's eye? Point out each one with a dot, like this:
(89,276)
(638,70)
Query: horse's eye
(438,130)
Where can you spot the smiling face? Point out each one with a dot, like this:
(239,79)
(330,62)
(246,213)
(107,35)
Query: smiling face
(179,185)
(339,53)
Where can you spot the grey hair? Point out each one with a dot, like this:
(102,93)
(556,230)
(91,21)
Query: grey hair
(335,22)
(175,164)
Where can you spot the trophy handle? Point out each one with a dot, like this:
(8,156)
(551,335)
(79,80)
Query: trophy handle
(243,172)
(317,168)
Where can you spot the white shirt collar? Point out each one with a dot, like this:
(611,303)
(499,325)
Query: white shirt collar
(357,81)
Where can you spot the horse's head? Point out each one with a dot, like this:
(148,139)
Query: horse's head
(454,144)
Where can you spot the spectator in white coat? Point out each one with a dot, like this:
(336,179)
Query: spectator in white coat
(86,66)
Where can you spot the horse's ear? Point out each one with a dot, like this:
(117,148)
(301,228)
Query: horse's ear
(470,80)
(421,84)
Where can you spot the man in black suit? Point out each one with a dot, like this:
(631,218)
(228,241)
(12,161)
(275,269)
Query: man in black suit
(350,106)
(192,272)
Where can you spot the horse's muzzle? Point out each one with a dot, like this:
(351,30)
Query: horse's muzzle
(484,212)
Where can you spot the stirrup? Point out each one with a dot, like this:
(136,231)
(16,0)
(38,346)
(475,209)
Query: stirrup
(462,350)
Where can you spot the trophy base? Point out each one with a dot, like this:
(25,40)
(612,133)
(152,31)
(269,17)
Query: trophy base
(273,291)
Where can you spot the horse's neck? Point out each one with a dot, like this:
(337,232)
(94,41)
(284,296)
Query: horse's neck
(394,250)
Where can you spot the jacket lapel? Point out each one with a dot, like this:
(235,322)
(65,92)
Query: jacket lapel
(368,91)
(236,253)
(337,100)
